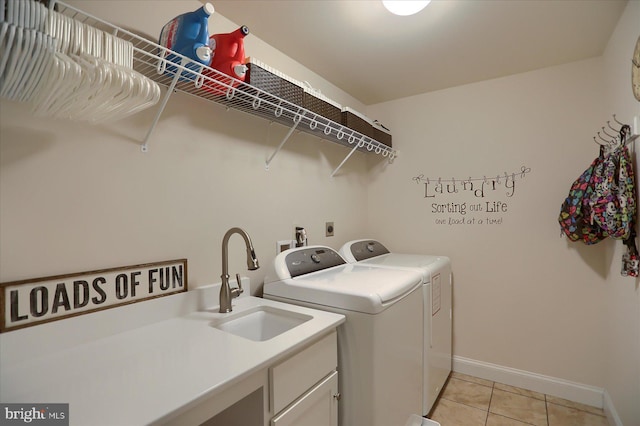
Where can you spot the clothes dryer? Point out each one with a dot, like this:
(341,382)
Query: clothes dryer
(437,295)
(379,344)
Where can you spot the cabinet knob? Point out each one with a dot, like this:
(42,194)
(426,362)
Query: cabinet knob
(337,396)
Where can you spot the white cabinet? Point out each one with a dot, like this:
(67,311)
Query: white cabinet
(304,387)
(318,407)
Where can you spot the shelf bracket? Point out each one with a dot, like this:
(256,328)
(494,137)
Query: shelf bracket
(345,159)
(297,119)
(163,104)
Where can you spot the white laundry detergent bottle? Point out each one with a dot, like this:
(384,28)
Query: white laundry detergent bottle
(188,35)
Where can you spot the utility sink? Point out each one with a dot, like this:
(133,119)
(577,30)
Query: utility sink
(260,323)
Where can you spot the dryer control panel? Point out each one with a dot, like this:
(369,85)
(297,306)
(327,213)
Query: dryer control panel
(305,261)
(366,249)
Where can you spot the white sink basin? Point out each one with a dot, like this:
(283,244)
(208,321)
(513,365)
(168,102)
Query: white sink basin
(260,323)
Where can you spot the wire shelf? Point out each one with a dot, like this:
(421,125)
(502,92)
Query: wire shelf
(179,73)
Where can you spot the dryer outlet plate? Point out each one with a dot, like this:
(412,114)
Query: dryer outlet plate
(329,229)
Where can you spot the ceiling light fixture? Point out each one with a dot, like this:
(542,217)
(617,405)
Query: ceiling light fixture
(405,7)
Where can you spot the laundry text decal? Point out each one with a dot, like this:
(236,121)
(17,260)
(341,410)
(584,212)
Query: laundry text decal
(489,198)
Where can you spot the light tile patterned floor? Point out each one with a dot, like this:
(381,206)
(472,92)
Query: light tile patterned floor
(470,401)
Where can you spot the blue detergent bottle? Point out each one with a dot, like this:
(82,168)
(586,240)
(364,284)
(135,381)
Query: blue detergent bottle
(188,35)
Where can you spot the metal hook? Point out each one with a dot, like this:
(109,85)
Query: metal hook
(162,63)
(609,124)
(231,92)
(199,81)
(611,136)
(616,120)
(608,142)
(596,141)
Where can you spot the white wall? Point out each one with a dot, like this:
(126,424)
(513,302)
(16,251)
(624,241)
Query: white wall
(524,297)
(77,197)
(622,362)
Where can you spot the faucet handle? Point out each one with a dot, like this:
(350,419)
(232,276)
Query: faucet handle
(239,283)
(237,291)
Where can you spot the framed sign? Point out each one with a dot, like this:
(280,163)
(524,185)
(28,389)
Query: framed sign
(35,301)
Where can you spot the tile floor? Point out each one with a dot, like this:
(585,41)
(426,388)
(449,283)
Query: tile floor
(470,401)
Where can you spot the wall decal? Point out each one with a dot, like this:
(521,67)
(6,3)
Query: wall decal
(471,201)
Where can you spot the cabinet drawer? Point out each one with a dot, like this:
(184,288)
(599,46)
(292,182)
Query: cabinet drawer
(294,376)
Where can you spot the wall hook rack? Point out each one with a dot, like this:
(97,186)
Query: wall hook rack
(186,76)
(616,138)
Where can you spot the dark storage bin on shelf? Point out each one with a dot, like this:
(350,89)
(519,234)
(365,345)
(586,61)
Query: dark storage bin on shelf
(381,134)
(272,81)
(318,103)
(357,121)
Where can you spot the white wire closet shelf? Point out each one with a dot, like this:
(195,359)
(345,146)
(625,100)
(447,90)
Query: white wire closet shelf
(179,73)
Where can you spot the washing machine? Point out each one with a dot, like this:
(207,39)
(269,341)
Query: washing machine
(379,344)
(437,295)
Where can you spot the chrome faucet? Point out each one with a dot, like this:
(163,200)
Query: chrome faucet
(226,292)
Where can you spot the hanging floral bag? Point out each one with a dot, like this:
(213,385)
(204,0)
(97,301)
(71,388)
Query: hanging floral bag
(575,211)
(613,201)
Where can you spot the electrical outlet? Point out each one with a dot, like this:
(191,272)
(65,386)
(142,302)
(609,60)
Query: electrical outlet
(284,245)
(329,229)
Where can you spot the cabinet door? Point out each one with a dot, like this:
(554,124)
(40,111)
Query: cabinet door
(318,407)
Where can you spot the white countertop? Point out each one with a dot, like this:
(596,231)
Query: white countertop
(142,374)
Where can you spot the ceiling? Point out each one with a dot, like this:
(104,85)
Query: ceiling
(376,56)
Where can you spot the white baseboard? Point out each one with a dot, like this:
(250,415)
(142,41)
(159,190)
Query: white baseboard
(610,411)
(560,388)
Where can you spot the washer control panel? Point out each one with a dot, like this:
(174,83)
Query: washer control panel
(362,250)
(312,259)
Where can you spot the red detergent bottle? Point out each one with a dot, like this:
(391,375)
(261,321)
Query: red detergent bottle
(188,35)
(228,58)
